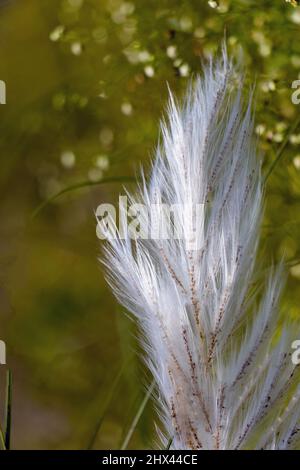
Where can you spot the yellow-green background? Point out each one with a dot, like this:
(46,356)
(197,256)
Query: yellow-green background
(90,77)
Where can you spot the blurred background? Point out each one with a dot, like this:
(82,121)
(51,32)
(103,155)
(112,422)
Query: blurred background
(86,86)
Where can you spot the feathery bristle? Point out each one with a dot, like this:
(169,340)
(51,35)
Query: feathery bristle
(208,334)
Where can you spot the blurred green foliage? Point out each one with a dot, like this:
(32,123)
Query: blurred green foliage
(86,86)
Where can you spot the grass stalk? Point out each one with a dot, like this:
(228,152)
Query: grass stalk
(8,413)
(138,416)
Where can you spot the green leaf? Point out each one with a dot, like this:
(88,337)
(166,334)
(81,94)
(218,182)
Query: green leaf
(169,443)
(138,416)
(8,408)
(107,402)
(82,184)
(2,443)
(279,154)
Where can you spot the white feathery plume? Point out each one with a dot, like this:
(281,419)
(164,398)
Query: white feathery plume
(223,379)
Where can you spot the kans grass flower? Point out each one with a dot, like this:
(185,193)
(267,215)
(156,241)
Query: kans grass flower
(222,366)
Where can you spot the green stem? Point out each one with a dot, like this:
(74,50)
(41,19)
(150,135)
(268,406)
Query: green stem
(138,416)
(169,443)
(8,407)
(108,400)
(82,184)
(2,443)
(281,148)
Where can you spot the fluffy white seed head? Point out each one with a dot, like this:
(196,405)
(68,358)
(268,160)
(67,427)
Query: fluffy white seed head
(208,328)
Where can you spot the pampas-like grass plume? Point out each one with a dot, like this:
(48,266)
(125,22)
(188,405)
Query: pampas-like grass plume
(222,365)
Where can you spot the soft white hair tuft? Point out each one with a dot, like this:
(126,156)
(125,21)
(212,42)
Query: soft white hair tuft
(222,378)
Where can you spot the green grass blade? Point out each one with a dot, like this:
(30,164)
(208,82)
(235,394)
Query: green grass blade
(8,408)
(138,416)
(82,184)
(2,443)
(169,443)
(279,154)
(108,401)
